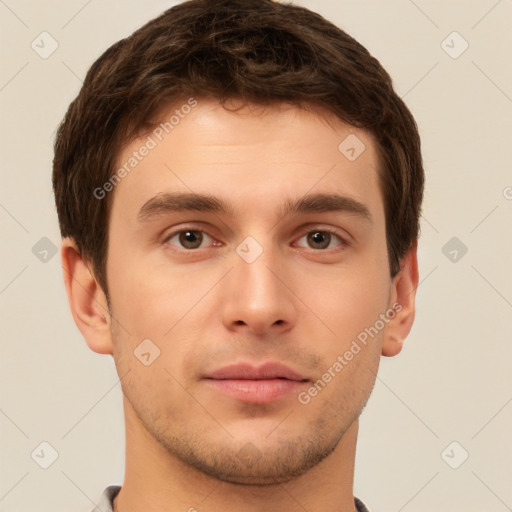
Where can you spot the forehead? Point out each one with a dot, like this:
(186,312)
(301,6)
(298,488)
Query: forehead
(274,153)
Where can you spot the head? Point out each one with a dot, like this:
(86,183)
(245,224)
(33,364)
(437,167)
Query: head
(238,182)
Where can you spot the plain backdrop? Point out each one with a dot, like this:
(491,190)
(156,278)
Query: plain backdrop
(435,435)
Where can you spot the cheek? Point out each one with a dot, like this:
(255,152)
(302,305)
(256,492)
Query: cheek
(147,299)
(346,301)
(164,307)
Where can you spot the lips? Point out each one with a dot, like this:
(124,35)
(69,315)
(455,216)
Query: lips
(249,372)
(267,383)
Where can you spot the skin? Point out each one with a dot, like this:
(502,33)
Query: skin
(301,302)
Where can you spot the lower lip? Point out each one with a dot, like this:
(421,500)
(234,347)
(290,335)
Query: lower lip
(256,391)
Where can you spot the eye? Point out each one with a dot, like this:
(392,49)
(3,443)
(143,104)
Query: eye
(320,239)
(189,239)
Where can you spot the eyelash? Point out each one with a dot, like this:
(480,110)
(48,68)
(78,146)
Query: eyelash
(343,243)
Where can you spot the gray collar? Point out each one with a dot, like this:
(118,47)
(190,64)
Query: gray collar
(107,498)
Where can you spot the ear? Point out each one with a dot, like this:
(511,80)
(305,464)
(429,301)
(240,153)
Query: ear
(86,298)
(403,295)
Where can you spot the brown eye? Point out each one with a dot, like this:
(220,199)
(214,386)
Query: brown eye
(319,239)
(189,239)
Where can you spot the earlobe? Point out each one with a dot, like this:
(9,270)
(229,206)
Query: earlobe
(403,296)
(86,299)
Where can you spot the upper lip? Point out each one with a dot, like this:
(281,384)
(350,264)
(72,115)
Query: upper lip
(246,371)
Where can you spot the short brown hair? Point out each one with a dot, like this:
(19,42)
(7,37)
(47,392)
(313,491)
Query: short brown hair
(260,51)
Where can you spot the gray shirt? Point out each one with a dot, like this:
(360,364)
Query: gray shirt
(105,504)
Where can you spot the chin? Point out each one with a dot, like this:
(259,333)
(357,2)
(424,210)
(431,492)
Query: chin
(250,465)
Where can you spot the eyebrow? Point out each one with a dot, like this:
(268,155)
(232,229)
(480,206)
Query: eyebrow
(316,203)
(175,202)
(311,203)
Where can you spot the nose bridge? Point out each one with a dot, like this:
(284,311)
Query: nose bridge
(256,298)
(253,269)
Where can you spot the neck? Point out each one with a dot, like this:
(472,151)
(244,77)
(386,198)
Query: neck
(156,481)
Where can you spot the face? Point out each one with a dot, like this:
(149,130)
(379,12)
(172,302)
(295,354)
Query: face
(249,252)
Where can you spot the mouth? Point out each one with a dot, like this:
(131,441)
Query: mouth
(256,384)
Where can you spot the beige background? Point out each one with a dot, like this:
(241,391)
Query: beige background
(453,380)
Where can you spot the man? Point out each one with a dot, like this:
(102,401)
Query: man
(239,189)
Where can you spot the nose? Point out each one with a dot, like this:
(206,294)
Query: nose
(257,297)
